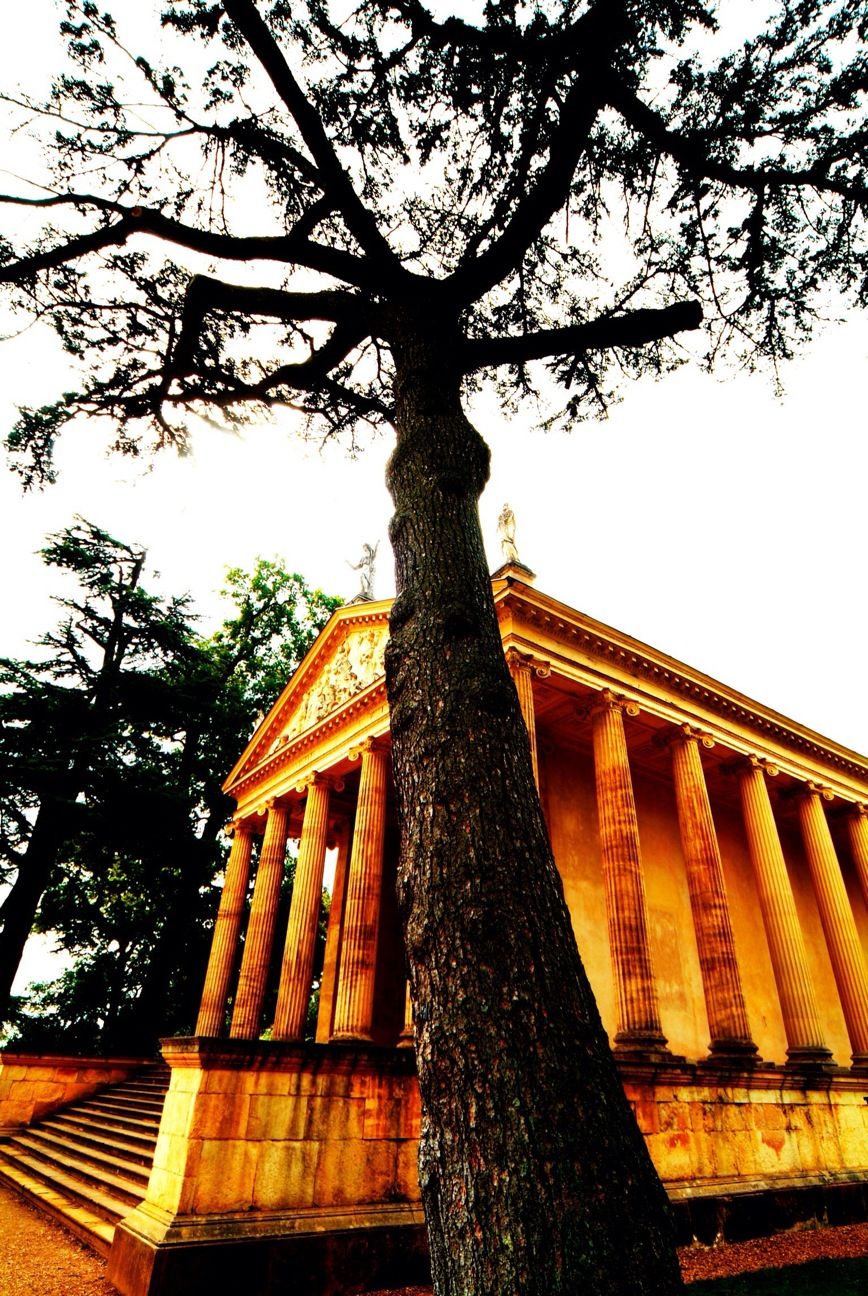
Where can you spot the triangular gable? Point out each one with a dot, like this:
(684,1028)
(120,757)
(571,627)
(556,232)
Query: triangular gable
(345,659)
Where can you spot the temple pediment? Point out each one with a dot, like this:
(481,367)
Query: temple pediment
(354,663)
(345,660)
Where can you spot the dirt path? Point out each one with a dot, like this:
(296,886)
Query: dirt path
(39,1258)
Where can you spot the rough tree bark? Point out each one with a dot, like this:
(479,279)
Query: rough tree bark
(540,1147)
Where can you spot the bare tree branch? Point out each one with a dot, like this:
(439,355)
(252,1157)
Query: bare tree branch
(295,248)
(637,328)
(337,183)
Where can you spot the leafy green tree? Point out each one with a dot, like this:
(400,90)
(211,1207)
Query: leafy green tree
(557,188)
(128,889)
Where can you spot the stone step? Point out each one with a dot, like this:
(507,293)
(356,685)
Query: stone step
(85,1130)
(88,1164)
(147,1109)
(97,1178)
(106,1112)
(85,1223)
(109,1157)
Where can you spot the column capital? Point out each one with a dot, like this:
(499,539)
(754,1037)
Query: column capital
(330,781)
(517,660)
(744,765)
(680,733)
(608,700)
(858,810)
(378,744)
(808,789)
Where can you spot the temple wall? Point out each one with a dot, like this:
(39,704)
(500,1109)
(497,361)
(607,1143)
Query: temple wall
(754,961)
(670,919)
(34,1085)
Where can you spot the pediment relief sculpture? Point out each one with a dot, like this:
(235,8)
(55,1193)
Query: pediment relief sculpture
(355,663)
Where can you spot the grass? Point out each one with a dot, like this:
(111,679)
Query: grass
(815,1278)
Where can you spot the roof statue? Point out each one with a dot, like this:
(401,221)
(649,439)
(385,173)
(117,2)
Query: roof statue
(506,534)
(509,549)
(365,566)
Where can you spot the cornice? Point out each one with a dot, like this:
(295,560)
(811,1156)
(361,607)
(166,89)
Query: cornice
(604,644)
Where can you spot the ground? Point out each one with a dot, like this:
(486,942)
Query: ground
(40,1258)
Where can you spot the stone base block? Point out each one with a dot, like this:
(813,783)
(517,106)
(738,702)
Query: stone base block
(712,1213)
(321,1254)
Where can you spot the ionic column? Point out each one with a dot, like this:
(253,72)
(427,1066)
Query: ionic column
(839,926)
(354,1007)
(334,937)
(224,942)
(522,669)
(806,1045)
(638,1010)
(296,971)
(260,929)
(857,823)
(721,980)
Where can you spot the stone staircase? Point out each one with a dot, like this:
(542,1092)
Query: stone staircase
(88,1164)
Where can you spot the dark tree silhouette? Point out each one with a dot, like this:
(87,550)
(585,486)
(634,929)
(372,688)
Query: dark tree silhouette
(567,186)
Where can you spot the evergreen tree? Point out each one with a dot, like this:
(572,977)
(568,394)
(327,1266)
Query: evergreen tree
(128,888)
(566,185)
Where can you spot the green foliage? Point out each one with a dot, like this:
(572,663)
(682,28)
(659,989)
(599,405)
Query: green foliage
(131,895)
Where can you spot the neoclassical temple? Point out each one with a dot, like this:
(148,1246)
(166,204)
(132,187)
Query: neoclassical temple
(714,857)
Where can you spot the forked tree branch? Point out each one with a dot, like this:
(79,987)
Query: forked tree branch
(605,30)
(205,295)
(295,248)
(335,180)
(691,153)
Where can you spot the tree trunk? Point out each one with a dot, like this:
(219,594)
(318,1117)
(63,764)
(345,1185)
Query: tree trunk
(535,1178)
(18,912)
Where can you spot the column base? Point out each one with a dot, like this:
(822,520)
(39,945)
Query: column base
(859,1062)
(350,1037)
(732,1052)
(643,1046)
(810,1059)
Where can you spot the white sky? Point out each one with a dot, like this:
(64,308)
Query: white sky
(704,517)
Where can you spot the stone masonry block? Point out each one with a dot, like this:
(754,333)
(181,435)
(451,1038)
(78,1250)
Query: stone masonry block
(224,1181)
(219,1116)
(285,1176)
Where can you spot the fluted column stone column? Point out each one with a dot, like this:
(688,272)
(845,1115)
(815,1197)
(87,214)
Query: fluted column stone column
(227,927)
(857,824)
(806,1045)
(721,980)
(260,929)
(334,935)
(522,669)
(836,915)
(354,1006)
(296,972)
(639,1031)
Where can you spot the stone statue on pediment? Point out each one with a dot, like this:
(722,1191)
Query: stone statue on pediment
(365,567)
(506,535)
